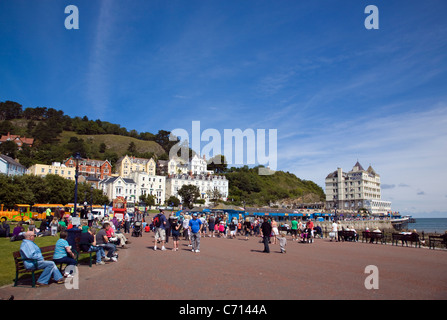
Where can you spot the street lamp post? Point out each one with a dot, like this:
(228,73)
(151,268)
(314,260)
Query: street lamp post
(77,157)
(91,199)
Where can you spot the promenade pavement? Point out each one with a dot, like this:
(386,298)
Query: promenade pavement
(235,269)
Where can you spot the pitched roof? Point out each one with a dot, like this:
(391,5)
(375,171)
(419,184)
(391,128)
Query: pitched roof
(371,170)
(332,175)
(357,164)
(113,179)
(11,161)
(90,162)
(13,137)
(135,159)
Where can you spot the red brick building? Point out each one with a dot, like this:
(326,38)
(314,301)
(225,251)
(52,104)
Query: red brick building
(91,168)
(19,141)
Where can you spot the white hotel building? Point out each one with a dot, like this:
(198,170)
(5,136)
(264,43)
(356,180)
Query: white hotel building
(134,185)
(197,175)
(356,189)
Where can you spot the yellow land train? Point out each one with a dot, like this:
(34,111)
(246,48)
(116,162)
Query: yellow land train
(24,212)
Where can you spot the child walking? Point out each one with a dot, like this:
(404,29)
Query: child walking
(54,225)
(282,242)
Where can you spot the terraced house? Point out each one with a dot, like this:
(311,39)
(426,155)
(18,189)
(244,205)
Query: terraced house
(128,164)
(91,168)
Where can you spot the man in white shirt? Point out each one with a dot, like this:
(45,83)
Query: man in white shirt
(335,230)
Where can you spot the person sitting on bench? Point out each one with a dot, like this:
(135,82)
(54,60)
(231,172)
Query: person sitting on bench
(29,250)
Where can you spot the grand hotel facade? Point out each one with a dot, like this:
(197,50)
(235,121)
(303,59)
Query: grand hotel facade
(354,190)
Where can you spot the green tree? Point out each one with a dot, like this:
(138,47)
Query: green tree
(87,193)
(47,132)
(173,201)
(6,127)
(10,110)
(59,190)
(8,191)
(218,164)
(189,194)
(162,138)
(102,147)
(147,136)
(148,199)
(214,195)
(25,156)
(77,145)
(132,149)
(9,148)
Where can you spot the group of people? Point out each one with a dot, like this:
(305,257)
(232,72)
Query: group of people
(195,226)
(50,226)
(304,231)
(336,228)
(100,237)
(105,237)
(173,226)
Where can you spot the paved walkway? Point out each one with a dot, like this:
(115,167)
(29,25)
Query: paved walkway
(235,269)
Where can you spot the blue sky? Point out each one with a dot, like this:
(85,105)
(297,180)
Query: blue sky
(335,91)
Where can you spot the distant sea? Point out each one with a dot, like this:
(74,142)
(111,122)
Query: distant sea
(438,225)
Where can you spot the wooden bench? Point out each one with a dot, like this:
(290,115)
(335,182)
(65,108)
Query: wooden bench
(79,251)
(47,253)
(284,229)
(373,236)
(347,235)
(432,240)
(414,237)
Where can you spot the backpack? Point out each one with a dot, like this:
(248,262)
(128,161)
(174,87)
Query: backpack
(157,221)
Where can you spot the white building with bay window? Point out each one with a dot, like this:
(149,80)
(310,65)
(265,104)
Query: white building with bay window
(135,185)
(119,187)
(150,184)
(205,183)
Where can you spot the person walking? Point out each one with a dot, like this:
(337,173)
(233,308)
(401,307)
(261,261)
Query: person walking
(266,231)
(175,225)
(126,222)
(195,227)
(294,229)
(159,223)
(211,224)
(335,231)
(247,228)
(275,230)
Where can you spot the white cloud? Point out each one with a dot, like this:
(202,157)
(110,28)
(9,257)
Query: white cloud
(99,76)
(408,151)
